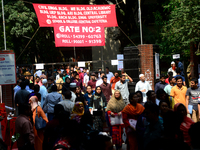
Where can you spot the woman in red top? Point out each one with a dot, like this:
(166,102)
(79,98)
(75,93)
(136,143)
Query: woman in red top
(130,115)
(115,106)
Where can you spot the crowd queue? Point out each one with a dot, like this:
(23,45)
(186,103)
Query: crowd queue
(75,109)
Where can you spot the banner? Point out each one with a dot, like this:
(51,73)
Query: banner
(50,14)
(7,68)
(157,68)
(78,35)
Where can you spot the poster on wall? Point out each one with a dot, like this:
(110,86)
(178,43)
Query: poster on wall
(157,68)
(7,69)
(50,14)
(69,35)
(120,56)
(120,65)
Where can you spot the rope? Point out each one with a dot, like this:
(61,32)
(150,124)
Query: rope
(127,36)
(26,2)
(28,42)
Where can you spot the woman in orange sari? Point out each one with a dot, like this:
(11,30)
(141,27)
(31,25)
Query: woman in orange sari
(130,115)
(39,136)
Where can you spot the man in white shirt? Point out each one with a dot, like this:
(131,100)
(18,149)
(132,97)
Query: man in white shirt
(173,68)
(58,75)
(73,90)
(100,81)
(38,73)
(143,86)
(109,74)
(67,102)
(86,78)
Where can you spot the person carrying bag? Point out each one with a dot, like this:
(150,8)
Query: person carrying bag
(39,118)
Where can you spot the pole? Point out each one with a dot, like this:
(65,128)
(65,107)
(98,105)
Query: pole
(4,30)
(139,11)
(102,65)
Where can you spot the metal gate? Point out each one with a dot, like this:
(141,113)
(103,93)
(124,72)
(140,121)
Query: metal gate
(132,65)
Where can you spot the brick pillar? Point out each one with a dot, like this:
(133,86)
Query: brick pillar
(147,62)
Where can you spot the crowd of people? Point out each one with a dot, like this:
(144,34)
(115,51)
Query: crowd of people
(79,109)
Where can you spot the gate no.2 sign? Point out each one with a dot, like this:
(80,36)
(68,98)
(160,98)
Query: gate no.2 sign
(69,35)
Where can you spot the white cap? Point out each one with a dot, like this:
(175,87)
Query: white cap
(44,81)
(87,71)
(141,75)
(172,62)
(72,85)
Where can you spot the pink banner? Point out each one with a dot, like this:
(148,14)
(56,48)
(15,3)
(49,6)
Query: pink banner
(73,35)
(50,14)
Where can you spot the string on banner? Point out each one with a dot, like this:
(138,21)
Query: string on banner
(127,36)
(28,43)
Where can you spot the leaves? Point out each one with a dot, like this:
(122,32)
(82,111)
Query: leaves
(183,26)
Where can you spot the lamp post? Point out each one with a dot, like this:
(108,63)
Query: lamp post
(140,20)
(4,30)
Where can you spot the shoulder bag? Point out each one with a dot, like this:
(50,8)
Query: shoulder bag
(40,123)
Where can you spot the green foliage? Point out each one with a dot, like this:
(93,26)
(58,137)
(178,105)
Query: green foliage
(182,28)
(20,17)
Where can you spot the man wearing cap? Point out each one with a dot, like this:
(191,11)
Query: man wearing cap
(73,90)
(143,86)
(173,68)
(43,91)
(93,81)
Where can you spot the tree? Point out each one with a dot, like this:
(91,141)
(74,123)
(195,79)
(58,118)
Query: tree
(182,29)
(21,24)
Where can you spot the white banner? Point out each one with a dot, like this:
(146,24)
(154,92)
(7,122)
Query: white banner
(114,62)
(157,68)
(39,66)
(7,68)
(81,64)
(176,56)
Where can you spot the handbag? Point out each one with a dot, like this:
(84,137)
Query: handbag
(117,120)
(40,123)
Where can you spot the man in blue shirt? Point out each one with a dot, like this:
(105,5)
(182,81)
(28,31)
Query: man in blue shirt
(180,65)
(161,84)
(178,71)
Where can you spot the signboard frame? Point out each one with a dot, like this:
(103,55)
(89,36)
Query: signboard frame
(15,67)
